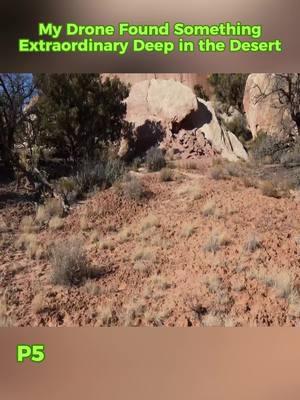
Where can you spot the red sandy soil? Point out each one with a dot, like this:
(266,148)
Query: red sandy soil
(180,283)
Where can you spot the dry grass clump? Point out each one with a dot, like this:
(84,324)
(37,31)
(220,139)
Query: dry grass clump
(249,182)
(52,208)
(215,241)
(29,242)
(5,319)
(294,304)
(143,266)
(151,221)
(107,244)
(188,230)
(124,235)
(234,169)
(133,188)
(270,189)
(211,320)
(213,282)
(156,317)
(187,164)
(28,225)
(106,316)
(159,282)
(92,288)
(69,263)
(56,223)
(193,191)
(134,313)
(253,243)
(281,281)
(84,223)
(218,172)
(166,175)
(143,253)
(209,208)
(155,159)
(94,236)
(39,303)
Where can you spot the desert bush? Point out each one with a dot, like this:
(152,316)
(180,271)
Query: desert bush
(166,175)
(136,163)
(188,230)
(56,223)
(99,174)
(266,148)
(218,172)
(212,320)
(5,318)
(209,208)
(234,169)
(151,221)
(69,263)
(114,170)
(28,225)
(215,242)
(69,188)
(155,159)
(52,208)
(252,243)
(143,253)
(249,182)
(229,88)
(292,155)
(270,189)
(133,188)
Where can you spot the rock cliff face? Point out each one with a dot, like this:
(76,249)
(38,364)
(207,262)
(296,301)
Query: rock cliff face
(266,115)
(168,113)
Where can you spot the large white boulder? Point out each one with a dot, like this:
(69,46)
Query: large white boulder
(266,114)
(168,113)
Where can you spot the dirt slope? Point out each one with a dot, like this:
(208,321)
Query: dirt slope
(180,258)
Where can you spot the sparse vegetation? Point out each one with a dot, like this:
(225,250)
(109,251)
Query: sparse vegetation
(6,320)
(270,189)
(155,159)
(218,172)
(143,253)
(215,242)
(211,320)
(209,208)
(252,243)
(151,221)
(133,189)
(56,223)
(69,263)
(188,230)
(166,175)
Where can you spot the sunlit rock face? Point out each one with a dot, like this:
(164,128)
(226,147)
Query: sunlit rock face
(189,80)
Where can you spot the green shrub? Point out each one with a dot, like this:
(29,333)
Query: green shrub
(114,170)
(155,159)
(100,174)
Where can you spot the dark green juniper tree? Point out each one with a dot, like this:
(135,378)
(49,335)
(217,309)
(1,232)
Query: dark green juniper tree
(229,88)
(77,112)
